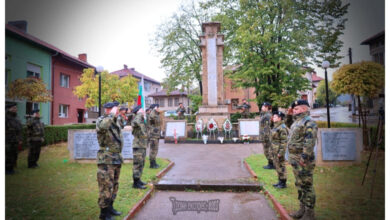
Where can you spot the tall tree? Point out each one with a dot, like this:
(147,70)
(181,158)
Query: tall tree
(31,89)
(112,88)
(321,94)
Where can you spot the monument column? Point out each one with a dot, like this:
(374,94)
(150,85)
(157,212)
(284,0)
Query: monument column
(211,44)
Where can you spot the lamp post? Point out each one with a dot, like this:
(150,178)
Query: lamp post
(325,65)
(98,70)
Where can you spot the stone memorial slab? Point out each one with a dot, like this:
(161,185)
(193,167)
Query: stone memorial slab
(178,126)
(212,71)
(249,127)
(83,144)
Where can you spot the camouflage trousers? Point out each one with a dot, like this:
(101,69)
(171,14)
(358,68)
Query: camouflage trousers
(267,146)
(153,143)
(34,152)
(11,155)
(108,182)
(279,163)
(139,155)
(303,181)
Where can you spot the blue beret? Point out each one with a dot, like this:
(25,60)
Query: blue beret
(123,108)
(299,102)
(116,103)
(152,106)
(34,111)
(109,105)
(267,104)
(136,109)
(279,113)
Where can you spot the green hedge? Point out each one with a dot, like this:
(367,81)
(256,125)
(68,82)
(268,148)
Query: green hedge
(324,124)
(57,133)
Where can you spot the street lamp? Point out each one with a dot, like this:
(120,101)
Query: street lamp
(98,70)
(325,65)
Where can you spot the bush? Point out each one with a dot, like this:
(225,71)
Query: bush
(234,117)
(324,124)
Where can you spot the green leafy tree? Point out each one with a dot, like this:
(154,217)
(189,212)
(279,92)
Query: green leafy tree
(31,89)
(321,94)
(112,88)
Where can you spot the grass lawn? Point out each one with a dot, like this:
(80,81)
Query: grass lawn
(339,192)
(59,189)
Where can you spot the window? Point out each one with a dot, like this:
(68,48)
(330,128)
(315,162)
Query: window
(156,89)
(234,103)
(33,70)
(31,106)
(148,101)
(147,86)
(63,113)
(170,102)
(161,102)
(176,101)
(64,80)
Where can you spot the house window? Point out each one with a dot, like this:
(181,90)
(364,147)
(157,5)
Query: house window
(234,103)
(33,70)
(156,89)
(148,102)
(176,101)
(147,86)
(31,106)
(162,102)
(170,102)
(63,113)
(64,80)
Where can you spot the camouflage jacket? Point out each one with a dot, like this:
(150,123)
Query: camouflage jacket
(303,137)
(265,126)
(130,118)
(279,135)
(35,129)
(122,121)
(13,128)
(180,111)
(154,124)
(110,140)
(139,132)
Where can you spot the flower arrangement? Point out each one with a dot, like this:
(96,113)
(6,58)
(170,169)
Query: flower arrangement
(245,138)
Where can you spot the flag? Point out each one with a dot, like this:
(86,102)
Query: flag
(141,96)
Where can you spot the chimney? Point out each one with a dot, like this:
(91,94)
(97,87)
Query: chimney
(125,66)
(83,57)
(21,25)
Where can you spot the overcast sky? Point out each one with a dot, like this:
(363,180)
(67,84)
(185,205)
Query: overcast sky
(118,32)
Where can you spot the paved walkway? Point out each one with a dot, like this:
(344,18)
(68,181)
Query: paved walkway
(207,164)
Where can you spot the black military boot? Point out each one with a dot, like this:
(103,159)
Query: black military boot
(137,184)
(142,182)
(269,166)
(278,183)
(154,165)
(309,214)
(105,214)
(299,213)
(282,184)
(113,211)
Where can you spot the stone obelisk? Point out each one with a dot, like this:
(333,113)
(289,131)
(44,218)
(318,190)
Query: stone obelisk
(211,44)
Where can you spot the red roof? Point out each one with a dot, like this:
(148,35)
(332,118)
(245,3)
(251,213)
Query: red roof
(127,71)
(164,93)
(32,39)
(316,78)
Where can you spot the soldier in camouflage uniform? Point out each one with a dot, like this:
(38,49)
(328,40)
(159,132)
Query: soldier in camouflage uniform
(13,137)
(154,129)
(265,133)
(140,143)
(130,116)
(279,136)
(301,142)
(245,109)
(109,159)
(35,138)
(122,118)
(180,111)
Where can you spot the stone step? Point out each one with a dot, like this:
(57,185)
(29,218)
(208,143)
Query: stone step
(244,185)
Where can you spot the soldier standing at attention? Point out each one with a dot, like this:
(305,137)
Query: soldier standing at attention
(129,115)
(279,135)
(245,107)
(122,118)
(154,129)
(109,159)
(180,111)
(140,143)
(13,137)
(265,133)
(301,141)
(35,138)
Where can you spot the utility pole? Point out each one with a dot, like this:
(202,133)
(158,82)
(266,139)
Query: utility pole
(352,96)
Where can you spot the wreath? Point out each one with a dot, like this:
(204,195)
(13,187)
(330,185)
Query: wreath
(212,125)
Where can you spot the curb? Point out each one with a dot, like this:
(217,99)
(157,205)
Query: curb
(148,195)
(250,170)
(279,208)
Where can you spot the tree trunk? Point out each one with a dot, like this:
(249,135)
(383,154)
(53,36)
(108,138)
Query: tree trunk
(364,123)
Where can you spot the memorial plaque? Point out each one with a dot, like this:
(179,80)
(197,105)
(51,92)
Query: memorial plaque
(83,144)
(212,71)
(338,145)
(178,126)
(249,127)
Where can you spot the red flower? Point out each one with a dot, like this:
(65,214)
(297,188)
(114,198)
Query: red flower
(211,126)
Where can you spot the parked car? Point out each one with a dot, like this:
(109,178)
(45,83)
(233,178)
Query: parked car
(170,113)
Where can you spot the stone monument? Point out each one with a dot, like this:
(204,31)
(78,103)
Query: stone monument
(211,44)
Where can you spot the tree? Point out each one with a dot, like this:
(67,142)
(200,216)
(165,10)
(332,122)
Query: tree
(31,89)
(274,42)
(364,79)
(112,88)
(321,94)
